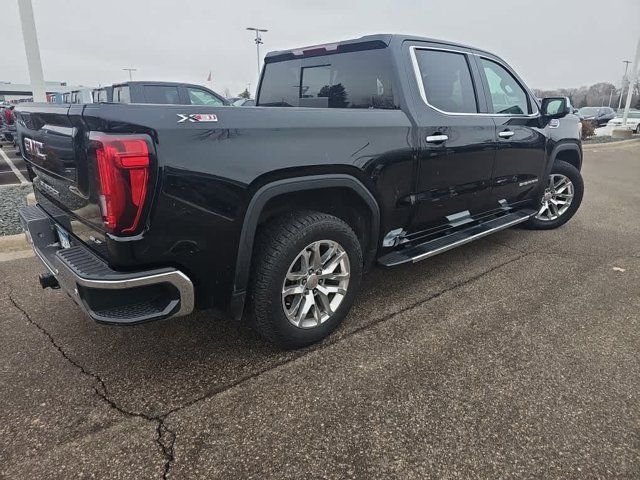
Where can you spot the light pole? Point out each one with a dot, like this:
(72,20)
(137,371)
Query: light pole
(130,70)
(634,73)
(624,80)
(258,41)
(33,51)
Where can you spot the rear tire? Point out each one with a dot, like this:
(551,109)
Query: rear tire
(563,185)
(317,257)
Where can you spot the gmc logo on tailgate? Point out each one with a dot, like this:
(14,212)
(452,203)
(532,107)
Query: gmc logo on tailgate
(34,148)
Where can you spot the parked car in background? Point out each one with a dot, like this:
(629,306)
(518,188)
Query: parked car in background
(598,115)
(102,95)
(56,97)
(633,121)
(82,95)
(166,93)
(244,102)
(7,122)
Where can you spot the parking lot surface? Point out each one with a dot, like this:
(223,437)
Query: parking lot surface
(515,356)
(13,170)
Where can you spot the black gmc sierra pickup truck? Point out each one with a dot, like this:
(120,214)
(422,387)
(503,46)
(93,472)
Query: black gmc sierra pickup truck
(386,148)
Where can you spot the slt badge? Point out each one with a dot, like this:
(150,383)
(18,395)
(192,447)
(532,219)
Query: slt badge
(197,117)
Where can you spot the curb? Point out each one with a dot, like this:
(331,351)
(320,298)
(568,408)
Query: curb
(13,243)
(13,247)
(590,146)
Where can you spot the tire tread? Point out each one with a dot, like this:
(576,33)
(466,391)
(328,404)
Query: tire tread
(274,243)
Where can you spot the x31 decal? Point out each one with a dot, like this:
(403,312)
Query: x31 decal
(197,117)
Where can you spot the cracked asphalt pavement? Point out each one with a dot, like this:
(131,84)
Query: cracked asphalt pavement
(516,356)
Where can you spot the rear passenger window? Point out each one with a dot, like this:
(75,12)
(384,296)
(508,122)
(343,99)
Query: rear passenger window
(161,94)
(347,80)
(507,96)
(446,80)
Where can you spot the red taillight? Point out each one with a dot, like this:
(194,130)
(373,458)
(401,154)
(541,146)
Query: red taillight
(8,116)
(123,172)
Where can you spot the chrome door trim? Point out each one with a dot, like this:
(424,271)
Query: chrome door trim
(418,79)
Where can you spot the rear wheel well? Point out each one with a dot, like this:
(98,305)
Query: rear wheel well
(570,156)
(340,202)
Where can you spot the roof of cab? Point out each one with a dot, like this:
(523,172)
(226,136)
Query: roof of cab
(366,42)
(153,82)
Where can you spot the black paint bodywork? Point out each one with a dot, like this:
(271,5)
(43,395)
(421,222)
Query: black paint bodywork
(212,180)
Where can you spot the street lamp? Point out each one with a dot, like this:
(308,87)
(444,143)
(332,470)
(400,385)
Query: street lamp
(634,73)
(258,41)
(36,77)
(624,81)
(130,70)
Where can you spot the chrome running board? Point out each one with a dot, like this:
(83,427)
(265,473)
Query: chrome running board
(415,253)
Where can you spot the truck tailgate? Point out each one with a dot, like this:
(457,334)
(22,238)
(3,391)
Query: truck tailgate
(98,182)
(52,145)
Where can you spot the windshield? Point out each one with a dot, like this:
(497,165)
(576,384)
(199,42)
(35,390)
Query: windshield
(588,111)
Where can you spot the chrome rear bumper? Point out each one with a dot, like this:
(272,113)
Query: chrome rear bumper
(106,295)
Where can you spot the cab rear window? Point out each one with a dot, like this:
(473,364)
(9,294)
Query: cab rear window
(346,80)
(162,94)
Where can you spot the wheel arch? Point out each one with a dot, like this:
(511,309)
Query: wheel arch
(284,187)
(569,152)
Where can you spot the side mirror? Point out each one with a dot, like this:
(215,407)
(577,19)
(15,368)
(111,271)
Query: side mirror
(555,107)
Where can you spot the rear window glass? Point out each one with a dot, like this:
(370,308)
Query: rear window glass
(347,80)
(161,94)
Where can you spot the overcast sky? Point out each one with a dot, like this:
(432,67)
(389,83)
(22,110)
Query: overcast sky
(550,43)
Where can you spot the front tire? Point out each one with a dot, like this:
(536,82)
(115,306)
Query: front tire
(307,271)
(561,199)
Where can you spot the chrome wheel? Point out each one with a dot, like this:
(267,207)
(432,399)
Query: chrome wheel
(557,198)
(315,284)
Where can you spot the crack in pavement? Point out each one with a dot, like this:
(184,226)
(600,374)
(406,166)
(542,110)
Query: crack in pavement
(333,340)
(103,393)
(165,437)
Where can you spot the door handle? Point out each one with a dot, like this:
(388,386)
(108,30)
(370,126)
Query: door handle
(437,138)
(506,134)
